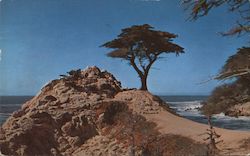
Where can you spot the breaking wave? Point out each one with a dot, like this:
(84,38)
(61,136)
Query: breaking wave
(191,110)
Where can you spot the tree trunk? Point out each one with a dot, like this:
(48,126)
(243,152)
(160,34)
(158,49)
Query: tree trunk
(143,74)
(144,82)
(209,122)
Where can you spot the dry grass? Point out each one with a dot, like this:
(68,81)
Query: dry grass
(134,130)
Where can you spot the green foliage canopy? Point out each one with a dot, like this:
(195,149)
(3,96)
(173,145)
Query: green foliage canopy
(141,46)
(236,65)
(201,8)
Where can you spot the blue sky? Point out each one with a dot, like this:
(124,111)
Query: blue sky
(41,39)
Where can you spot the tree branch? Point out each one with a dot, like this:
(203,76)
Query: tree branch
(150,64)
(132,62)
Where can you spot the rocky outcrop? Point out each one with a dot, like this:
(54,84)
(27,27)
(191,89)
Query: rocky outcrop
(61,117)
(239,110)
(88,113)
(229,98)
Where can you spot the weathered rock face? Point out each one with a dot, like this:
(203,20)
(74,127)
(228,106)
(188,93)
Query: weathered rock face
(230,99)
(61,117)
(85,113)
(239,110)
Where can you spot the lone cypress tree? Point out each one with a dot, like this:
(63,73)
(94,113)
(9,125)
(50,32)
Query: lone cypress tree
(141,46)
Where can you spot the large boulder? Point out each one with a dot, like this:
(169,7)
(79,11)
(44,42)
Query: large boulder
(61,117)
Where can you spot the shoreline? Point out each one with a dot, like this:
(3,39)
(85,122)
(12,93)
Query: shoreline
(169,123)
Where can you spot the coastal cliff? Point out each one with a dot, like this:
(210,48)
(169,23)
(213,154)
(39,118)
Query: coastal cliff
(231,99)
(239,110)
(87,112)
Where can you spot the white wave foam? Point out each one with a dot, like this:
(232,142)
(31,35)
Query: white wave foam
(191,110)
(222,116)
(186,106)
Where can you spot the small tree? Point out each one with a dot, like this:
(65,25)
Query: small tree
(141,47)
(212,138)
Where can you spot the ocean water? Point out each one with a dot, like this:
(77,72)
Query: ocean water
(186,106)
(9,104)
